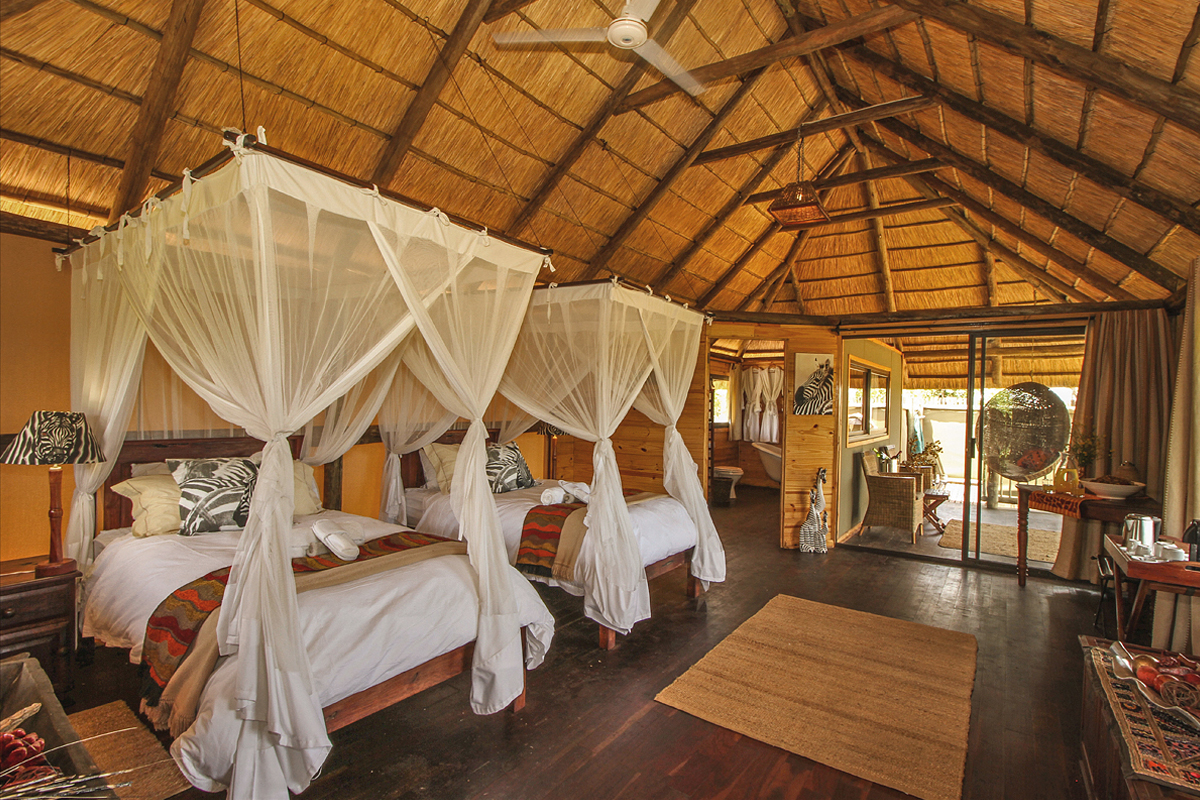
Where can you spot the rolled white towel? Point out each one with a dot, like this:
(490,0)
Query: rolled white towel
(553,496)
(580,491)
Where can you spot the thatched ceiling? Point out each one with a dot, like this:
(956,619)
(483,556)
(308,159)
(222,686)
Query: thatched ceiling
(1072,150)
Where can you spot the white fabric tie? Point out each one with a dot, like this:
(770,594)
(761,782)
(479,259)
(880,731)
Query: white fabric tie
(187,200)
(548,264)
(121,225)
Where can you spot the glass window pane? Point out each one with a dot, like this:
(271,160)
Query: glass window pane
(720,404)
(855,401)
(879,403)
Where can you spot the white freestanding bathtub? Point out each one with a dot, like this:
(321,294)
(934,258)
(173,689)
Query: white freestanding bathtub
(772,459)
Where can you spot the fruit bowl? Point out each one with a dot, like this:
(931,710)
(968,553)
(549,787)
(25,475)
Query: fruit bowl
(1113,491)
(1124,670)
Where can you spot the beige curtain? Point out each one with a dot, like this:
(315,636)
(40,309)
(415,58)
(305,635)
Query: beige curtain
(1177,618)
(1125,398)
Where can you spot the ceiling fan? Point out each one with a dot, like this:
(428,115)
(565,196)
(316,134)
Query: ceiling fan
(627,32)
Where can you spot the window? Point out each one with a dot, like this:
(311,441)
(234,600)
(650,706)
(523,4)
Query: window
(720,401)
(867,402)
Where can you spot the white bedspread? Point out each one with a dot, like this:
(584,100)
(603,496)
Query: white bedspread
(662,525)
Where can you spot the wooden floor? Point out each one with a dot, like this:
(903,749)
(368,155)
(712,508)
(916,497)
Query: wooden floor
(593,730)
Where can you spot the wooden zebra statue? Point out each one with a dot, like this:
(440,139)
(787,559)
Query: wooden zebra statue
(816,527)
(815,396)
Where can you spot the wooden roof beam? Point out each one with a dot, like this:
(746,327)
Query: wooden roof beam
(431,88)
(769,287)
(989,275)
(71,152)
(502,8)
(1161,203)
(668,181)
(38,228)
(1103,72)
(11,8)
(827,36)
(567,160)
(1048,211)
(881,251)
(865,176)
(908,105)
(737,266)
(877,213)
(146,137)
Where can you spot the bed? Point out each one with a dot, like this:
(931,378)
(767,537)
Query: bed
(665,533)
(418,630)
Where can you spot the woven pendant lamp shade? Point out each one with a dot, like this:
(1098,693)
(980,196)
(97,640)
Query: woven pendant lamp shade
(798,204)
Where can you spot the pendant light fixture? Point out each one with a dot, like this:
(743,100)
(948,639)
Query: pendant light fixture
(799,202)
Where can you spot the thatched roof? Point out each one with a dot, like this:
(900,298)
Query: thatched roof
(1068,134)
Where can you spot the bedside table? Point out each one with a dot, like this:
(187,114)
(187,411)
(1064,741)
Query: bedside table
(37,615)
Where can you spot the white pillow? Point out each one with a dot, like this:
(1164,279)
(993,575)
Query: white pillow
(155,503)
(429,469)
(442,457)
(308,499)
(153,468)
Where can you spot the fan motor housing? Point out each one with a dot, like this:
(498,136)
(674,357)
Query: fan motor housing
(627,33)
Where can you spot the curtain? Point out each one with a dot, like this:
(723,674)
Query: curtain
(479,293)
(1177,618)
(348,417)
(264,286)
(107,346)
(735,402)
(772,390)
(409,419)
(752,404)
(674,334)
(1125,398)
(579,363)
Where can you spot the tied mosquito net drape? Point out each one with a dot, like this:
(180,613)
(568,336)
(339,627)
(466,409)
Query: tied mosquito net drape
(579,363)
(107,345)
(348,417)
(674,336)
(265,288)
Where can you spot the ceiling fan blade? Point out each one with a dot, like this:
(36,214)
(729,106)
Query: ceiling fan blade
(551,35)
(642,9)
(662,61)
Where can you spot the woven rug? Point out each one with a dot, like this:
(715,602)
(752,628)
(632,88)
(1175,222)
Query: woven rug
(882,699)
(1159,747)
(154,775)
(1001,540)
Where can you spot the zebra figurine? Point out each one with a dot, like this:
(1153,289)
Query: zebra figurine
(815,527)
(815,396)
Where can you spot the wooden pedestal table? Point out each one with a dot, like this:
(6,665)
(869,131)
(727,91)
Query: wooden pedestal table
(1171,576)
(1087,507)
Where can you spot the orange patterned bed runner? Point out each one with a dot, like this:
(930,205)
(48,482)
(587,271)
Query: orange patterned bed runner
(1069,505)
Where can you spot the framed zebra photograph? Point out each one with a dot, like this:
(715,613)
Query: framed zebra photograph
(814,384)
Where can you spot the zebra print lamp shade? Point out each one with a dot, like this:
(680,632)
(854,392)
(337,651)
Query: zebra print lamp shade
(54,437)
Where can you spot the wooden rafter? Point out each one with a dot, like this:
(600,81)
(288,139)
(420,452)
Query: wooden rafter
(1052,213)
(1111,75)
(893,108)
(11,8)
(881,250)
(83,155)
(668,180)
(48,201)
(38,228)
(146,137)
(790,262)
(502,8)
(818,39)
(876,213)
(864,176)
(1161,203)
(567,160)
(731,207)
(431,88)
(737,266)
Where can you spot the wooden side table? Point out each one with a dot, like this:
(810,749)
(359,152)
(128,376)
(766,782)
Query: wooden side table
(37,615)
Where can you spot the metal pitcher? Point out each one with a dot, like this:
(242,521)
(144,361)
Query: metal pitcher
(1141,529)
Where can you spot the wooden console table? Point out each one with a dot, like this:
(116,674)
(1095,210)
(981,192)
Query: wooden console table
(1171,576)
(1095,508)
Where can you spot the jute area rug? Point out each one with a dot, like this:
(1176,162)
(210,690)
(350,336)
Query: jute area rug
(154,775)
(879,698)
(1001,540)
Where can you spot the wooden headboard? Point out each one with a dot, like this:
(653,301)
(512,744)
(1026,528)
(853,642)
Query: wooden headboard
(410,463)
(118,510)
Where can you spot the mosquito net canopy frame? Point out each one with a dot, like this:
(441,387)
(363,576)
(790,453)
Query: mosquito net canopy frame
(272,290)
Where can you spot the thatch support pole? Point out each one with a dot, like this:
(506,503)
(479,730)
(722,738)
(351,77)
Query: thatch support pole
(1161,203)
(672,176)
(881,251)
(908,105)
(1109,74)
(771,296)
(71,152)
(564,163)
(989,275)
(431,88)
(826,36)
(502,8)
(31,198)
(11,8)
(737,266)
(730,208)
(1052,213)
(865,176)
(876,213)
(146,137)
(38,228)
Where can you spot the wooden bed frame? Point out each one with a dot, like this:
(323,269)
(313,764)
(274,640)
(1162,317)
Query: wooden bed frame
(118,513)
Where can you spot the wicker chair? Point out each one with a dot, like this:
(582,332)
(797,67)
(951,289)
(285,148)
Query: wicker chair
(894,500)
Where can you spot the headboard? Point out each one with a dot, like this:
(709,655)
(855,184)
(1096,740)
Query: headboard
(118,510)
(410,463)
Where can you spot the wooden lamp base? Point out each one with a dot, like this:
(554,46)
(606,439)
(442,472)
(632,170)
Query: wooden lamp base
(56,564)
(48,568)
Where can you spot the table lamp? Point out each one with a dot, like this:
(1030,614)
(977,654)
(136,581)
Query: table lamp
(54,438)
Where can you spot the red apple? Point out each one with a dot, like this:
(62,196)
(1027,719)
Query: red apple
(1147,675)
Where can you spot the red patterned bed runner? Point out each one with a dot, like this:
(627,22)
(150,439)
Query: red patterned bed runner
(176,622)
(540,535)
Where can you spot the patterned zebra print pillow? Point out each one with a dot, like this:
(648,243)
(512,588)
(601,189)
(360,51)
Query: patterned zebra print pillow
(506,468)
(214,493)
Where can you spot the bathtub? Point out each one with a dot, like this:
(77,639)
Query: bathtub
(772,459)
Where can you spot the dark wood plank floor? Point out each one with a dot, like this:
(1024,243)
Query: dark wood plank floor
(593,730)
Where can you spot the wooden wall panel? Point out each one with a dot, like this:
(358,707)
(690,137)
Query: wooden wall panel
(753,471)
(809,442)
(725,452)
